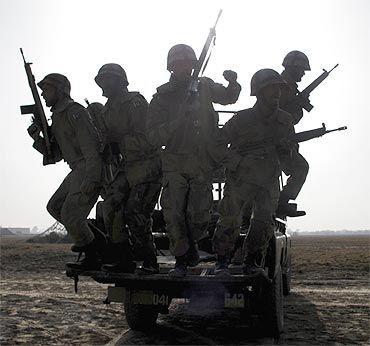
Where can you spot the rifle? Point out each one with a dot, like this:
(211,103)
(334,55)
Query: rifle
(302,96)
(37,109)
(201,62)
(297,138)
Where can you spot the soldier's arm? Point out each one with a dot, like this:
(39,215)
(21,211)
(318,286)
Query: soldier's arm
(40,146)
(295,110)
(225,95)
(89,142)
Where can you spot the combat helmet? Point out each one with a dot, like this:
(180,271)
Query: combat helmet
(297,58)
(113,70)
(180,52)
(59,81)
(265,77)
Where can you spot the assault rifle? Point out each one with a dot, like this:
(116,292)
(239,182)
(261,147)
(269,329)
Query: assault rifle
(201,63)
(302,96)
(36,109)
(297,138)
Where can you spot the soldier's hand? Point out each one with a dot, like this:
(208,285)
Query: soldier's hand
(89,187)
(230,76)
(34,131)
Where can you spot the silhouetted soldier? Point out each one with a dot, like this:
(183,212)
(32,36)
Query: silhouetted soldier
(294,165)
(132,194)
(187,165)
(74,140)
(252,176)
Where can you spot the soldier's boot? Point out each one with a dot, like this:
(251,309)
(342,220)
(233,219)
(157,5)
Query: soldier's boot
(124,262)
(100,240)
(288,209)
(193,254)
(180,269)
(252,266)
(222,267)
(150,265)
(91,261)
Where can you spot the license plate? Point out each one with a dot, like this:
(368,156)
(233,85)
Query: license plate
(234,300)
(149,298)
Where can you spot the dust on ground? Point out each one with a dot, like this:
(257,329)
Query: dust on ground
(329,303)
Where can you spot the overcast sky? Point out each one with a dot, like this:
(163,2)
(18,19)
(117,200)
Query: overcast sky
(76,37)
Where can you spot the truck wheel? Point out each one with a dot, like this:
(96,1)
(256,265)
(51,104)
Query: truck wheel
(139,317)
(272,305)
(287,278)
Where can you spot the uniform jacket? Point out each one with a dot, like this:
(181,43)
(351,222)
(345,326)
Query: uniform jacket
(73,138)
(261,165)
(187,133)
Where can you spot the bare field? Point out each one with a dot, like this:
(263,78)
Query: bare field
(329,303)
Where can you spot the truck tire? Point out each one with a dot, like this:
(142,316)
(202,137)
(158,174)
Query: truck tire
(139,317)
(272,306)
(287,277)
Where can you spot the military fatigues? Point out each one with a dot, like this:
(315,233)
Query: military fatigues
(74,139)
(132,195)
(295,166)
(187,161)
(252,178)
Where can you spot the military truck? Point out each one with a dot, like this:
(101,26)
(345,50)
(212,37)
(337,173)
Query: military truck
(260,297)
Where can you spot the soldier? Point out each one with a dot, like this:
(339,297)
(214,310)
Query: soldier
(252,173)
(74,140)
(132,194)
(295,165)
(187,163)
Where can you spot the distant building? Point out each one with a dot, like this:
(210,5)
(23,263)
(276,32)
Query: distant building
(5,231)
(20,230)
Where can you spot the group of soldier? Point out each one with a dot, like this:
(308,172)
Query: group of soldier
(131,153)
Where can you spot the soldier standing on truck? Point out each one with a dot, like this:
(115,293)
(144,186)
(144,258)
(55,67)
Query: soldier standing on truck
(186,136)
(132,194)
(293,165)
(73,139)
(252,176)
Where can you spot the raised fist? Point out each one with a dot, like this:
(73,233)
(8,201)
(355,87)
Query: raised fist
(230,76)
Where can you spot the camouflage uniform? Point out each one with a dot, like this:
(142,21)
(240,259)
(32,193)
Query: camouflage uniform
(132,194)
(252,173)
(73,139)
(295,166)
(252,179)
(188,157)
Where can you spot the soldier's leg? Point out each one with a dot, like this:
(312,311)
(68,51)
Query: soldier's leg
(261,228)
(296,168)
(138,210)
(198,215)
(120,257)
(174,201)
(231,208)
(113,208)
(75,211)
(55,204)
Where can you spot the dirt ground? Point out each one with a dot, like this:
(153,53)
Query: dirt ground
(329,303)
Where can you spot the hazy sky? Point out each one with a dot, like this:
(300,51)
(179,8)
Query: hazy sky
(77,37)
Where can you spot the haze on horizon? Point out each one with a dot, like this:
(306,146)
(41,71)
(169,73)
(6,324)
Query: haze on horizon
(77,37)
